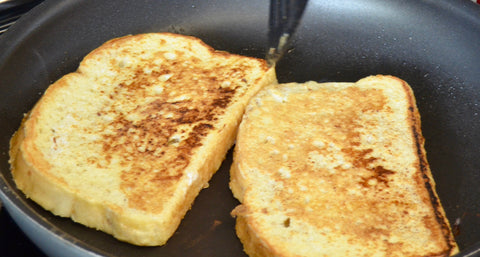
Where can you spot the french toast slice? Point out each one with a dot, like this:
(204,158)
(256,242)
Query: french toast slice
(336,169)
(125,143)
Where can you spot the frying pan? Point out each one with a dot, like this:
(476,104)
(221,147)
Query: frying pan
(432,44)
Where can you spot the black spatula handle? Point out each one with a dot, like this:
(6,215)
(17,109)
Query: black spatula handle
(283,20)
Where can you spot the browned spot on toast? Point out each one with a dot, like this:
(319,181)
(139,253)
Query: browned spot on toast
(153,140)
(344,129)
(380,175)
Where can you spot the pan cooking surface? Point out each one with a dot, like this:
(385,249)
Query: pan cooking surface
(433,45)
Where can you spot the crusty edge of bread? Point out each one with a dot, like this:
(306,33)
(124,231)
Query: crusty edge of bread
(55,196)
(424,167)
(143,229)
(254,246)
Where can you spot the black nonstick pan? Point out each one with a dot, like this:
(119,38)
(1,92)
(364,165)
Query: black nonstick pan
(432,44)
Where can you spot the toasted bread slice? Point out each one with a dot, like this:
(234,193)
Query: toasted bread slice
(125,143)
(336,169)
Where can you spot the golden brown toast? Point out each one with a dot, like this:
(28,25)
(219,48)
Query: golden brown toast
(336,169)
(125,143)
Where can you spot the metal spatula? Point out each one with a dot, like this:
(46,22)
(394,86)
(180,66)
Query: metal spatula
(283,21)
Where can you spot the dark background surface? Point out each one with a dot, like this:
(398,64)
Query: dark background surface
(13,242)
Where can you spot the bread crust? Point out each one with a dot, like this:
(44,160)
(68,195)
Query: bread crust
(125,143)
(272,221)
